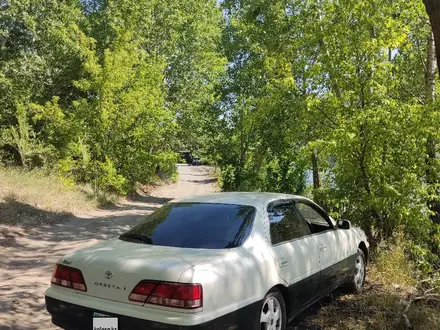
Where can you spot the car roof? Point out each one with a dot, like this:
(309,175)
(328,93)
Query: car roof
(256,199)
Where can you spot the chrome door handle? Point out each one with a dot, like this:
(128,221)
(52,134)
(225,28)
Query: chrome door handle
(282,262)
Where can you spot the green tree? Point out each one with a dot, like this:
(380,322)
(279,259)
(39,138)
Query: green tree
(343,82)
(111,88)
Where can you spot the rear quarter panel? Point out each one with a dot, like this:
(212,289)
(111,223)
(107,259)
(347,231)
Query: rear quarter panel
(236,279)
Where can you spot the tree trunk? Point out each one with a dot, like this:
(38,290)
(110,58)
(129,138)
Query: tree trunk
(316,182)
(430,71)
(241,159)
(432,177)
(433,10)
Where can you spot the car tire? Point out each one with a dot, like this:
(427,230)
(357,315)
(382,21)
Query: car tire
(358,279)
(273,312)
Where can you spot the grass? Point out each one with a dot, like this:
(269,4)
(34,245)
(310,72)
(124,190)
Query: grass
(392,266)
(377,308)
(391,284)
(27,197)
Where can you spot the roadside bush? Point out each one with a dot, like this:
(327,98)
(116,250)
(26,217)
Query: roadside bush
(227,178)
(283,175)
(269,174)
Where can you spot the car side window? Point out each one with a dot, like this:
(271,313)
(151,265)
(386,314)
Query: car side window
(315,220)
(286,224)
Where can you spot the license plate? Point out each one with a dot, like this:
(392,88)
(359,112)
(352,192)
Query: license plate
(104,322)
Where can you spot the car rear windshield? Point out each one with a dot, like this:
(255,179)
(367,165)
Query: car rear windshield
(195,225)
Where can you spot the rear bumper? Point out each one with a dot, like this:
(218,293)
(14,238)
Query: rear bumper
(74,317)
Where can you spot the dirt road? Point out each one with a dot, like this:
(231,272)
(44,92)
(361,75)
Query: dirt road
(27,260)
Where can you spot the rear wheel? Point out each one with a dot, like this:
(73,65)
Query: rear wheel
(273,312)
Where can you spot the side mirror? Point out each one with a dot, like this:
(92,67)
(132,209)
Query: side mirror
(344,224)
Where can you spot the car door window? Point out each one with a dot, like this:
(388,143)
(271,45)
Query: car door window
(286,224)
(315,220)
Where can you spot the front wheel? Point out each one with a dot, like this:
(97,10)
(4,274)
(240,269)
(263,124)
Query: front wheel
(273,312)
(358,279)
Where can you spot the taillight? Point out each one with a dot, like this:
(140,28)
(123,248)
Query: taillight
(177,295)
(68,277)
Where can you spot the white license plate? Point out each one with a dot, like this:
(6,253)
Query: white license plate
(104,322)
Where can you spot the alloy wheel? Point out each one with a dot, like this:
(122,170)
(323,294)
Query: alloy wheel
(360,271)
(271,318)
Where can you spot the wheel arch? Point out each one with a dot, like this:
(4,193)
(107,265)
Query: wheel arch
(364,249)
(286,297)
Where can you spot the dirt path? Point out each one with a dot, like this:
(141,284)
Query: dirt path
(27,261)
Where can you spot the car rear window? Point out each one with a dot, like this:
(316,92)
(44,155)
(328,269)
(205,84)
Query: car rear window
(196,225)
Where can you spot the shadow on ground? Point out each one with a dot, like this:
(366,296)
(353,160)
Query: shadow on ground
(206,181)
(32,240)
(29,252)
(13,212)
(149,199)
(306,320)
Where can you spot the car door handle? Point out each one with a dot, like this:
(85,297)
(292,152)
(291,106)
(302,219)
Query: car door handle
(322,248)
(282,262)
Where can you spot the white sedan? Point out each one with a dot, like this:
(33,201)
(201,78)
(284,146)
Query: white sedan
(222,261)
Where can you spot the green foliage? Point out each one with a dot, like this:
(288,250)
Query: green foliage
(284,175)
(227,179)
(344,80)
(23,140)
(272,92)
(105,91)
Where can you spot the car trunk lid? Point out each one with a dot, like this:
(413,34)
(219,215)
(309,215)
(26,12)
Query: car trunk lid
(112,269)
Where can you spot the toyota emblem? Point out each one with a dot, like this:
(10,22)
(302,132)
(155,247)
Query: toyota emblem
(108,274)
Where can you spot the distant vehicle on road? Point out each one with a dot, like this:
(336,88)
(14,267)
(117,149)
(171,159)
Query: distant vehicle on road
(240,261)
(196,161)
(186,156)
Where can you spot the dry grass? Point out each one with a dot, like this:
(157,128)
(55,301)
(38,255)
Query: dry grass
(392,266)
(391,284)
(30,197)
(375,309)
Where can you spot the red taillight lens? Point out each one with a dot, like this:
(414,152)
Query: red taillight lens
(177,295)
(188,293)
(141,291)
(165,290)
(68,277)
